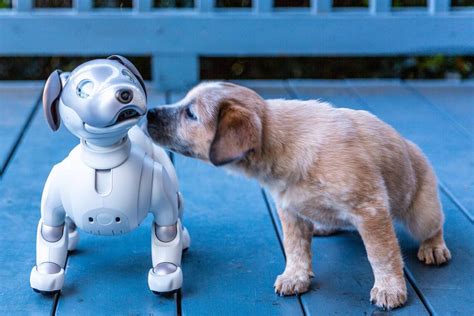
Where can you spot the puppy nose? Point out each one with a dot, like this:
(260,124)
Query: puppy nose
(150,114)
(124,96)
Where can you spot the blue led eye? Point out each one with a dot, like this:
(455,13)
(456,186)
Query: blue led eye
(128,74)
(85,88)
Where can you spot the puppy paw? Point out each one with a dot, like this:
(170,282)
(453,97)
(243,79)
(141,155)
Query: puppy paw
(292,283)
(434,254)
(388,297)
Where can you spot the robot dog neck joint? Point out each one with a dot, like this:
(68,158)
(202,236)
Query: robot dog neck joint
(105,157)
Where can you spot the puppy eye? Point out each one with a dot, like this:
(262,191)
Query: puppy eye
(190,114)
(84,88)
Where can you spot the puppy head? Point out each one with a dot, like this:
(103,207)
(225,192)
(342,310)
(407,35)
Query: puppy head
(216,122)
(101,98)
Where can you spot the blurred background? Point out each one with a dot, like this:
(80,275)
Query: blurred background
(251,67)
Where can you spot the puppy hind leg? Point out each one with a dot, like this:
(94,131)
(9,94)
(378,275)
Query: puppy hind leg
(425,221)
(297,234)
(375,227)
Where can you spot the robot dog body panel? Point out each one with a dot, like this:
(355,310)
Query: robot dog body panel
(108,201)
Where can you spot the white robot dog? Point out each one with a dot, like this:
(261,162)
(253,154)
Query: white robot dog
(112,179)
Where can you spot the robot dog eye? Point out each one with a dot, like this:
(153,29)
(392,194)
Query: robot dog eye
(128,75)
(84,88)
(124,96)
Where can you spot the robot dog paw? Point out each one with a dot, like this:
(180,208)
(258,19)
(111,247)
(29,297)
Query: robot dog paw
(73,240)
(186,239)
(48,278)
(165,278)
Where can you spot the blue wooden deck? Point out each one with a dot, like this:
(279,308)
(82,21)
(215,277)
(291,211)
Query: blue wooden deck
(236,251)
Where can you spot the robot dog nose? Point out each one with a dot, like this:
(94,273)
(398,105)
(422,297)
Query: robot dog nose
(124,96)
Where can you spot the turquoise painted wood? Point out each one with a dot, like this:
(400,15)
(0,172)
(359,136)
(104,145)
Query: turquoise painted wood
(343,274)
(17,104)
(20,195)
(110,274)
(447,289)
(176,38)
(457,101)
(235,255)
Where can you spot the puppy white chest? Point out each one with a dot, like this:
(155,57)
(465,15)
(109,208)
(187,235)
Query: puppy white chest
(107,201)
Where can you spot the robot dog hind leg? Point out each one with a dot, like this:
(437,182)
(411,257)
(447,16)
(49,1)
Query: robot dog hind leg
(166,235)
(73,234)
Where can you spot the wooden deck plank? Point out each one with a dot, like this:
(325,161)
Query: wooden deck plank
(16,105)
(108,275)
(449,149)
(448,289)
(222,272)
(455,99)
(340,284)
(21,188)
(235,255)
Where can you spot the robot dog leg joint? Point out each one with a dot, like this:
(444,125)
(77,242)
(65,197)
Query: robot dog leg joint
(51,249)
(166,275)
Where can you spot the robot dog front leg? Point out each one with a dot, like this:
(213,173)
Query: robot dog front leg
(51,242)
(166,235)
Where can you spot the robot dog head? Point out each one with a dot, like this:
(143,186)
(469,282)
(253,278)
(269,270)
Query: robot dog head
(99,100)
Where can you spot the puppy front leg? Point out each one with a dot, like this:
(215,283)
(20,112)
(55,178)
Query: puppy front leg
(297,234)
(376,229)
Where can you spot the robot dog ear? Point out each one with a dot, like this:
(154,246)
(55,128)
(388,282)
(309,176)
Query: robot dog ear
(51,93)
(127,63)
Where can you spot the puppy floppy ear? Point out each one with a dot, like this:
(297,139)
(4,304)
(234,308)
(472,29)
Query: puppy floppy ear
(128,64)
(51,94)
(238,132)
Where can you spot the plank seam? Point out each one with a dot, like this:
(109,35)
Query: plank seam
(456,202)
(411,279)
(274,223)
(452,197)
(18,141)
(57,296)
(421,97)
(280,241)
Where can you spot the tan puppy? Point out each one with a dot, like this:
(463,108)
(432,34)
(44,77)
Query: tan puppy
(323,166)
